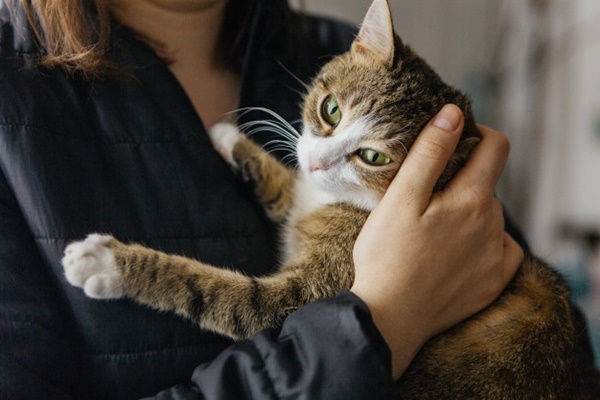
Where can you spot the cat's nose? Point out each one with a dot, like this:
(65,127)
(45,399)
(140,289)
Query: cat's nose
(318,163)
(317,166)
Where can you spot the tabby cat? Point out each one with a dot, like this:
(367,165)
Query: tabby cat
(361,114)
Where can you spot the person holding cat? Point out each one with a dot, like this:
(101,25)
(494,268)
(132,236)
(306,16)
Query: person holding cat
(103,123)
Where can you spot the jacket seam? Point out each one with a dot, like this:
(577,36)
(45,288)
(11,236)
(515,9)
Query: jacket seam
(104,141)
(22,319)
(29,321)
(29,125)
(130,354)
(19,125)
(37,322)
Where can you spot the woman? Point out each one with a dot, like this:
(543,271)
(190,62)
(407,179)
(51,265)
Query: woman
(102,128)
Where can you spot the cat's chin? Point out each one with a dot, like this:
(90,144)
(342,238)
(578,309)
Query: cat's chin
(365,201)
(360,198)
(357,196)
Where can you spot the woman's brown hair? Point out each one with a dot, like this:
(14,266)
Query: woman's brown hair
(75,34)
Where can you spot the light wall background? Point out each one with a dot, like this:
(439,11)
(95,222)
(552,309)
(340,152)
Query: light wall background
(453,35)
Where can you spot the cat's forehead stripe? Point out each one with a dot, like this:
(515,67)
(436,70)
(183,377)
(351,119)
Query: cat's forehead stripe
(322,81)
(367,104)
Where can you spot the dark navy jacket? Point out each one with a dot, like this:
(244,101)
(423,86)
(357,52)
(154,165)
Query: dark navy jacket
(131,157)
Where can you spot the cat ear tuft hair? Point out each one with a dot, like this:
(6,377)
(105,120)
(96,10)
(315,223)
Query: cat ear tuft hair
(376,36)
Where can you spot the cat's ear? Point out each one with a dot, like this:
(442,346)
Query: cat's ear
(376,37)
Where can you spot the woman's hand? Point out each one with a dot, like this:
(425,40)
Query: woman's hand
(426,261)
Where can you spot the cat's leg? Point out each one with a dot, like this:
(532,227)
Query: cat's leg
(221,300)
(273,181)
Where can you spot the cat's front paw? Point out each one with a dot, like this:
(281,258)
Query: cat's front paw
(90,265)
(224,137)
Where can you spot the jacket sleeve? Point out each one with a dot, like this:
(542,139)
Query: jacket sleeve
(329,349)
(36,361)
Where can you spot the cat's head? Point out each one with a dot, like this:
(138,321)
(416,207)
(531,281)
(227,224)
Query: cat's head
(365,109)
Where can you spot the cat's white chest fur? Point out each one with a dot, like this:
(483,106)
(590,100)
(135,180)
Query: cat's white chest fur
(307,198)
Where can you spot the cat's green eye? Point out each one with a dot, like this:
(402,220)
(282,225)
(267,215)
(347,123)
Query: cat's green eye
(330,111)
(373,157)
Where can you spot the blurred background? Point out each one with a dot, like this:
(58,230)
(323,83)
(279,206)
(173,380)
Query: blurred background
(532,68)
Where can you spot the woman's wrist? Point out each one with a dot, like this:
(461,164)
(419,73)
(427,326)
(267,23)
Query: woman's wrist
(401,335)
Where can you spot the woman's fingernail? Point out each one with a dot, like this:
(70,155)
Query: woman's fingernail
(448,118)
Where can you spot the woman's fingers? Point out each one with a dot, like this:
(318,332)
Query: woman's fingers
(484,165)
(427,159)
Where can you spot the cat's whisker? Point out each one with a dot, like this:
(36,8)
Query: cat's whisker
(269,126)
(272,149)
(278,117)
(289,160)
(281,146)
(398,140)
(281,142)
(299,92)
(290,141)
(404,147)
(260,128)
(284,127)
(296,78)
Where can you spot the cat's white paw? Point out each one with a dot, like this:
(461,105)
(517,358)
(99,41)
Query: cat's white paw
(90,265)
(224,136)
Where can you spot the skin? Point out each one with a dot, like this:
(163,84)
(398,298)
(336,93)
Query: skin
(473,258)
(188,32)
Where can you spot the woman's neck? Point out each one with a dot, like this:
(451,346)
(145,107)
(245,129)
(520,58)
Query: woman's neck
(182,31)
(186,33)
